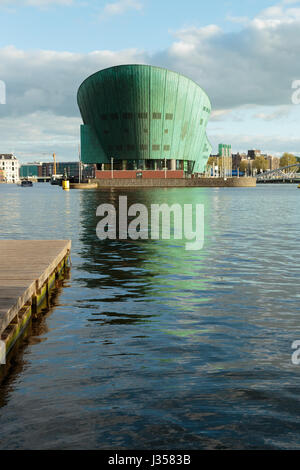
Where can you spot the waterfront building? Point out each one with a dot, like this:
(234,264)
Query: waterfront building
(9,164)
(273,162)
(253,154)
(225,156)
(236,160)
(2,176)
(31,170)
(71,168)
(143,121)
(220,165)
(225,150)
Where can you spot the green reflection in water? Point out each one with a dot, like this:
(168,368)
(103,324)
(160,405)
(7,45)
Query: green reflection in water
(162,272)
(184,333)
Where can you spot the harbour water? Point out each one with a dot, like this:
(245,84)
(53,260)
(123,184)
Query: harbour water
(150,346)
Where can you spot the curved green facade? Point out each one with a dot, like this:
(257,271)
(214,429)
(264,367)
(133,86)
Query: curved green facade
(143,113)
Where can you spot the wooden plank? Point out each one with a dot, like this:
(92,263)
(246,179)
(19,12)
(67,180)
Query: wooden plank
(25,265)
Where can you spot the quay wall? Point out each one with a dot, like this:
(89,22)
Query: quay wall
(176,183)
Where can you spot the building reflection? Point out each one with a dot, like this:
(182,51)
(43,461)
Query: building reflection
(160,272)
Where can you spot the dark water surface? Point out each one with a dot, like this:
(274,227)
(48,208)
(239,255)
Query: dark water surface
(150,346)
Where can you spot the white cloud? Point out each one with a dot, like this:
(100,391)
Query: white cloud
(238,19)
(253,66)
(49,80)
(286,2)
(270,144)
(219,114)
(39,135)
(281,112)
(278,14)
(120,7)
(256,65)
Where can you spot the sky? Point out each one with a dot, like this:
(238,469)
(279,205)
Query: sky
(245,55)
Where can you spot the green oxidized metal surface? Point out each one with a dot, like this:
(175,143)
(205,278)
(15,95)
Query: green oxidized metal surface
(143,112)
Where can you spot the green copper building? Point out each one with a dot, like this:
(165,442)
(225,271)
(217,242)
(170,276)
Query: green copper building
(143,117)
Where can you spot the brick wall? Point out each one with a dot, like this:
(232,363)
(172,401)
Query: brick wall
(175,182)
(129,174)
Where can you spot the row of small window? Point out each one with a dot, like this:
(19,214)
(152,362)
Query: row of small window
(166,131)
(129,147)
(115,116)
(206,109)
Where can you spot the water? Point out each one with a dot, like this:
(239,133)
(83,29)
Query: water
(150,346)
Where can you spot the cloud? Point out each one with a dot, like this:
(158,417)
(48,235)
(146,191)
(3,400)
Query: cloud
(48,81)
(238,19)
(120,7)
(282,112)
(253,66)
(39,135)
(270,144)
(256,66)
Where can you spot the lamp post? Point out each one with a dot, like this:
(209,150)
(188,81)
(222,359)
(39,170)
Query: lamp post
(79,169)
(112,167)
(165,167)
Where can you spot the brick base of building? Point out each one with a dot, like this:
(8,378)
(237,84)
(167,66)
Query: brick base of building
(175,182)
(140,174)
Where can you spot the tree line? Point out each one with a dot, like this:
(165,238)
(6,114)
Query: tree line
(260,163)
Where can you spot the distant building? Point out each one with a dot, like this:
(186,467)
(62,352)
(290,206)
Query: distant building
(273,162)
(225,157)
(10,165)
(224,150)
(254,153)
(31,170)
(236,160)
(220,164)
(70,168)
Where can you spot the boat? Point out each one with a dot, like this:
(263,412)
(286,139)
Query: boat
(25,183)
(56,180)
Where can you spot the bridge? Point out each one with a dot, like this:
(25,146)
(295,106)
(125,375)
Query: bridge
(280,175)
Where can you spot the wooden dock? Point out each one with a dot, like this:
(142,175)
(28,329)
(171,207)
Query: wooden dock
(28,270)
